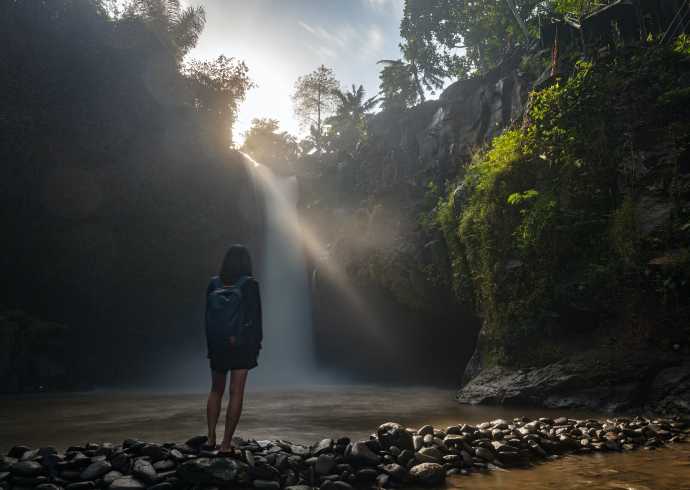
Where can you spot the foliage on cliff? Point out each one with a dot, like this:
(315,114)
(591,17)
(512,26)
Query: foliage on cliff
(578,223)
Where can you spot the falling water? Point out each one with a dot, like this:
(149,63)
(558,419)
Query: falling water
(287,356)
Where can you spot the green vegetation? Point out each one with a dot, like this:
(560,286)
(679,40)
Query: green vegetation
(567,224)
(265,143)
(315,100)
(117,179)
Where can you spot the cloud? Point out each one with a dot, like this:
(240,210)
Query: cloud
(345,40)
(386,6)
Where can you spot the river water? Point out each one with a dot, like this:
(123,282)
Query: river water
(307,415)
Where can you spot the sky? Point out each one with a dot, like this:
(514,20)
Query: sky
(281,40)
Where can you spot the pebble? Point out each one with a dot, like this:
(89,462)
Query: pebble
(394,456)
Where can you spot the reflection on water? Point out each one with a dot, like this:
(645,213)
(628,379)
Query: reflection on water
(308,415)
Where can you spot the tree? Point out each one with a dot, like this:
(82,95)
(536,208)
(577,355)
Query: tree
(397,86)
(179,27)
(443,38)
(348,125)
(266,144)
(314,100)
(217,88)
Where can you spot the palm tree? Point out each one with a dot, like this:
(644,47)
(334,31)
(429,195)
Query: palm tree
(348,125)
(180,27)
(352,106)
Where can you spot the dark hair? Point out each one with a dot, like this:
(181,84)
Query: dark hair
(237,263)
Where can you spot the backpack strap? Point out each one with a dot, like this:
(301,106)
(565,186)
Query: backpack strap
(241,281)
(216,283)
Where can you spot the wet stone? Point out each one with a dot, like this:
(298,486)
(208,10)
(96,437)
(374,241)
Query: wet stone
(81,485)
(111,476)
(392,434)
(266,484)
(164,485)
(26,468)
(47,486)
(18,451)
(324,464)
(95,470)
(126,483)
(144,469)
(428,474)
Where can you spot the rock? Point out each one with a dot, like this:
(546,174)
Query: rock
(428,474)
(484,453)
(324,464)
(362,455)
(207,471)
(298,487)
(164,465)
(95,470)
(264,471)
(299,450)
(17,451)
(111,476)
(154,451)
(176,455)
(324,445)
(47,486)
(406,456)
(366,475)
(126,483)
(145,471)
(341,485)
(429,455)
(396,471)
(267,484)
(425,430)
(383,480)
(81,485)
(26,468)
(164,485)
(392,434)
(121,462)
(6,462)
(196,442)
(417,442)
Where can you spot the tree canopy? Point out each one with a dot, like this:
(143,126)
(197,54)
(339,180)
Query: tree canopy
(453,38)
(266,144)
(315,99)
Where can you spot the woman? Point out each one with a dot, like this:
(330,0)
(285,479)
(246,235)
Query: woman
(229,353)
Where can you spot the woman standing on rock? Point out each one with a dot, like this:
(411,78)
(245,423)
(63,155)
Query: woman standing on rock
(233,337)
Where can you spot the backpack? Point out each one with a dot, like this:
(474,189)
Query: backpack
(225,315)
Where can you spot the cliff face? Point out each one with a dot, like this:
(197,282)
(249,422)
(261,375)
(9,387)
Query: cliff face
(572,234)
(557,221)
(370,209)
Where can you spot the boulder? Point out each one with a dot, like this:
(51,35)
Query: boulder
(428,474)
(26,468)
(392,434)
(360,454)
(126,483)
(95,470)
(216,471)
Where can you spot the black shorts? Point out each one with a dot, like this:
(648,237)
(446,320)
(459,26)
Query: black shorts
(236,358)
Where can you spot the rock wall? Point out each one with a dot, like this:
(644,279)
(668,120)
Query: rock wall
(367,209)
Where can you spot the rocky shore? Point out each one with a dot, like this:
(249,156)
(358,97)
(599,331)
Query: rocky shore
(394,456)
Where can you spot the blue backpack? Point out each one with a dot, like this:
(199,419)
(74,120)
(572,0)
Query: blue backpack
(225,315)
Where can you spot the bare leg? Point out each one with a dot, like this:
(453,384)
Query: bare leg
(215,397)
(238,378)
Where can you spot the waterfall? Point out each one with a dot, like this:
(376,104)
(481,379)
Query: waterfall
(287,356)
